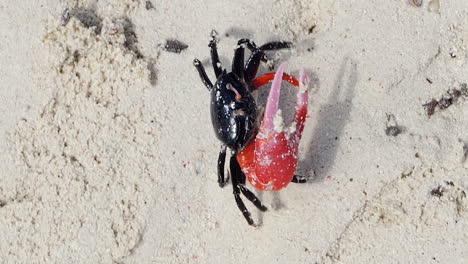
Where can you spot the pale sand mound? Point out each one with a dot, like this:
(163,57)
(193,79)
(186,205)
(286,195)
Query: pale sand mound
(84,159)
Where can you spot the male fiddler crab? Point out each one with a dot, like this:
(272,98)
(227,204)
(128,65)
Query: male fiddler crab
(266,156)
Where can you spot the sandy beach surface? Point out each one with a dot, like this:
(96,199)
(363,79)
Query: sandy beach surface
(108,153)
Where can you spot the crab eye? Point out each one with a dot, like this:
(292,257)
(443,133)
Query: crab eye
(238,95)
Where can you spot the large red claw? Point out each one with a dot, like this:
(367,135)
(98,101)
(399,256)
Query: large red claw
(269,161)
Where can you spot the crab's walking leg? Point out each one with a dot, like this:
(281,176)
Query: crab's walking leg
(201,71)
(251,197)
(275,45)
(215,58)
(235,179)
(221,160)
(258,54)
(253,62)
(248,194)
(238,61)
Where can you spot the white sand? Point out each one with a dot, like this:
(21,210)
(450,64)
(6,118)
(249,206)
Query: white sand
(109,157)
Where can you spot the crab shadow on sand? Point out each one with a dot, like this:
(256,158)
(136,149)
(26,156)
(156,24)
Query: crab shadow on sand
(333,116)
(331,120)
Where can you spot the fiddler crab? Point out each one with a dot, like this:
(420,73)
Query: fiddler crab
(265,155)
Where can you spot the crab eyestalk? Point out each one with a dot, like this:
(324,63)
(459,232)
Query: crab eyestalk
(270,160)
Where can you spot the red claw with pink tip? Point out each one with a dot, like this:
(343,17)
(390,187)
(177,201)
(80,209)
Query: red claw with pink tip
(269,161)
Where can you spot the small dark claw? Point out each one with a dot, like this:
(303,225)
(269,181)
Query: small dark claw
(299,179)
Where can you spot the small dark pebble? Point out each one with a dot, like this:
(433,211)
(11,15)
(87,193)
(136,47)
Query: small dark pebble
(311,29)
(392,131)
(464,90)
(437,192)
(450,97)
(149,5)
(429,80)
(175,46)
(416,3)
(430,107)
(405,174)
(76,56)
(455,93)
(445,102)
(65,17)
